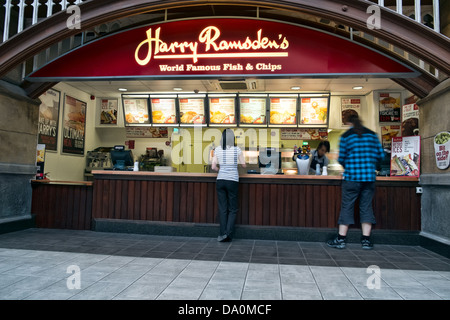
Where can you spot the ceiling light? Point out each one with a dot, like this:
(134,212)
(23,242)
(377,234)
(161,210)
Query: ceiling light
(123,89)
(295,88)
(177,89)
(357,87)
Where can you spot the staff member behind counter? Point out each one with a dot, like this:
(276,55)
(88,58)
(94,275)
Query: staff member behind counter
(318,156)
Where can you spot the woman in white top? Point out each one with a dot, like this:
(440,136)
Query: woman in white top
(226,159)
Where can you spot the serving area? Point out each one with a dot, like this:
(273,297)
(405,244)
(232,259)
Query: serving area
(190,198)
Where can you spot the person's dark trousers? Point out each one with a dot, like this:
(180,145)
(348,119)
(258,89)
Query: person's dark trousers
(351,190)
(228,204)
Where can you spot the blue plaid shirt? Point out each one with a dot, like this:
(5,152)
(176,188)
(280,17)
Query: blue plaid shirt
(359,155)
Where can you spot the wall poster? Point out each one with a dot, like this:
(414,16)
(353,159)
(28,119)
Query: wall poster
(74,125)
(49,119)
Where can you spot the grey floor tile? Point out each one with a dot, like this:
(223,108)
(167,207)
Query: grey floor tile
(220,294)
(261,295)
(382,293)
(290,296)
(100,290)
(416,293)
(300,289)
(180,293)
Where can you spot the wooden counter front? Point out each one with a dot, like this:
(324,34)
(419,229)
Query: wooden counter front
(268,200)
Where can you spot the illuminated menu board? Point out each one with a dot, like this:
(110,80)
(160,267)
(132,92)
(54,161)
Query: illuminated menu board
(192,110)
(252,111)
(222,110)
(314,111)
(283,111)
(136,111)
(163,111)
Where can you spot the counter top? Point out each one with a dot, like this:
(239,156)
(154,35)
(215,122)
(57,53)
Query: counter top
(245,178)
(61,182)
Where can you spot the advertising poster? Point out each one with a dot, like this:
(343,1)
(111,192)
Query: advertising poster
(410,120)
(389,107)
(304,134)
(108,113)
(48,119)
(74,126)
(192,111)
(349,107)
(314,111)
(283,111)
(163,111)
(146,132)
(222,111)
(387,133)
(405,156)
(40,160)
(252,110)
(442,149)
(136,111)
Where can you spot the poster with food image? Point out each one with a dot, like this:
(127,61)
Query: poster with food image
(49,119)
(221,110)
(389,107)
(283,111)
(108,113)
(147,132)
(405,156)
(40,159)
(387,133)
(410,120)
(74,125)
(314,111)
(442,149)
(252,110)
(350,107)
(192,111)
(304,134)
(136,111)
(163,111)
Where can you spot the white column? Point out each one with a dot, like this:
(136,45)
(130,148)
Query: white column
(436,17)
(400,6)
(21,15)
(417,11)
(7,20)
(35,5)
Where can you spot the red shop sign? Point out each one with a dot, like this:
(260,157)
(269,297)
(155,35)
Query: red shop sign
(212,47)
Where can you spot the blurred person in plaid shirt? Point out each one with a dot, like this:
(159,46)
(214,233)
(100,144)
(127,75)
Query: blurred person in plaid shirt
(360,151)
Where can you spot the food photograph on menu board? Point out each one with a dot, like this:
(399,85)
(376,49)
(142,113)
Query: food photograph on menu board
(136,111)
(252,110)
(192,110)
(314,111)
(222,110)
(108,113)
(283,111)
(163,111)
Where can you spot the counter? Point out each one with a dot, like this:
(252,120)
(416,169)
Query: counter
(265,200)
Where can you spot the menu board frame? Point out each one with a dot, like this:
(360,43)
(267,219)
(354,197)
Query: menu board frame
(136,97)
(281,96)
(176,114)
(254,96)
(314,125)
(205,109)
(236,114)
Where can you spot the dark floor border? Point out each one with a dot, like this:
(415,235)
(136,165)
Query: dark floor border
(19,224)
(435,246)
(250,232)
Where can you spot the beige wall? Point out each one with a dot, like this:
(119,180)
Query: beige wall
(434,118)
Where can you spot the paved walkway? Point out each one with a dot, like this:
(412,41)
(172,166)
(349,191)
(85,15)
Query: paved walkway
(44,264)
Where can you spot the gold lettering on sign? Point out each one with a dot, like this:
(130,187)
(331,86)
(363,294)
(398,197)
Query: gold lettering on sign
(154,47)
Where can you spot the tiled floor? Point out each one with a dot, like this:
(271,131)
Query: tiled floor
(36,264)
